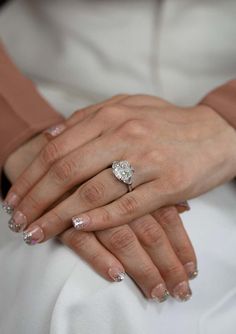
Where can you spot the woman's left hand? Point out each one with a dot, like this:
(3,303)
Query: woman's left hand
(177,154)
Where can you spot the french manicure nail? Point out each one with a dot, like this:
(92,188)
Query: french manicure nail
(191,270)
(18,222)
(80,222)
(116,274)
(11,201)
(33,235)
(160,293)
(55,130)
(182,292)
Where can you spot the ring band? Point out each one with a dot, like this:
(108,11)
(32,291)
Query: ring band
(124,172)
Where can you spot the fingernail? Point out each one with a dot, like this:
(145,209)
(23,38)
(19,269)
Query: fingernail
(116,274)
(184,205)
(33,235)
(55,130)
(191,270)
(11,201)
(80,222)
(160,293)
(18,222)
(182,292)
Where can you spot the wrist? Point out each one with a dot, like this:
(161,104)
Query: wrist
(224,136)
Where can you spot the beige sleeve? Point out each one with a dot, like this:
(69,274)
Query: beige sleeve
(23,112)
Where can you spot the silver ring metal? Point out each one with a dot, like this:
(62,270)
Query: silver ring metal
(124,172)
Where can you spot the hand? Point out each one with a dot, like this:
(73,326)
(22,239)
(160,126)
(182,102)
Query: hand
(143,248)
(177,153)
(123,241)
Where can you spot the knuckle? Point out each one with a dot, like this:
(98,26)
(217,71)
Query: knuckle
(134,128)
(50,153)
(128,205)
(32,202)
(122,238)
(63,170)
(152,157)
(92,191)
(78,240)
(168,217)
(179,178)
(112,111)
(147,271)
(105,216)
(22,184)
(174,271)
(58,221)
(152,234)
(184,250)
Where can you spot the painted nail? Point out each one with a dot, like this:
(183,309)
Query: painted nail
(116,274)
(18,222)
(184,205)
(191,270)
(11,201)
(160,293)
(182,292)
(33,235)
(55,130)
(80,222)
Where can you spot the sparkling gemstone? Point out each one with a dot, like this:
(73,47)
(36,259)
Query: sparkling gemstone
(123,171)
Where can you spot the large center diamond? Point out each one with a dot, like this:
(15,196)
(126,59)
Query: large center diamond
(123,171)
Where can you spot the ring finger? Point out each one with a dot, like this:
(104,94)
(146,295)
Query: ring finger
(98,191)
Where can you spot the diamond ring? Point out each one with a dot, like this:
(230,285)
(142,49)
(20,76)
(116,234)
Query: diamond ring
(124,172)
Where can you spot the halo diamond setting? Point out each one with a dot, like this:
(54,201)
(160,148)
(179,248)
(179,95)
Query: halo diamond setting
(123,171)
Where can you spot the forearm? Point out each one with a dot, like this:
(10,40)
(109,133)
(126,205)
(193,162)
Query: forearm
(23,112)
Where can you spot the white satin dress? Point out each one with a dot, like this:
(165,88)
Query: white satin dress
(79,52)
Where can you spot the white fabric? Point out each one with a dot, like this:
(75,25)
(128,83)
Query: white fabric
(79,52)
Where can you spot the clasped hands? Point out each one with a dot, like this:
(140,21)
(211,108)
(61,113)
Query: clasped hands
(178,153)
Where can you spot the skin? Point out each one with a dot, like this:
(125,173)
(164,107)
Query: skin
(152,249)
(178,153)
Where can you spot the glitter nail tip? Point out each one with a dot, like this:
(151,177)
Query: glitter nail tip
(15,227)
(27,237)
(79,223)
(116,274)
(7,208)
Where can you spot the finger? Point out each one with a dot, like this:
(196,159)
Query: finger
(52,152)
(98,191)
(122,242)
(77,167)
(86,245)
(146,198)
(154,240)
(172,224)
(66,145)
(83,113)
